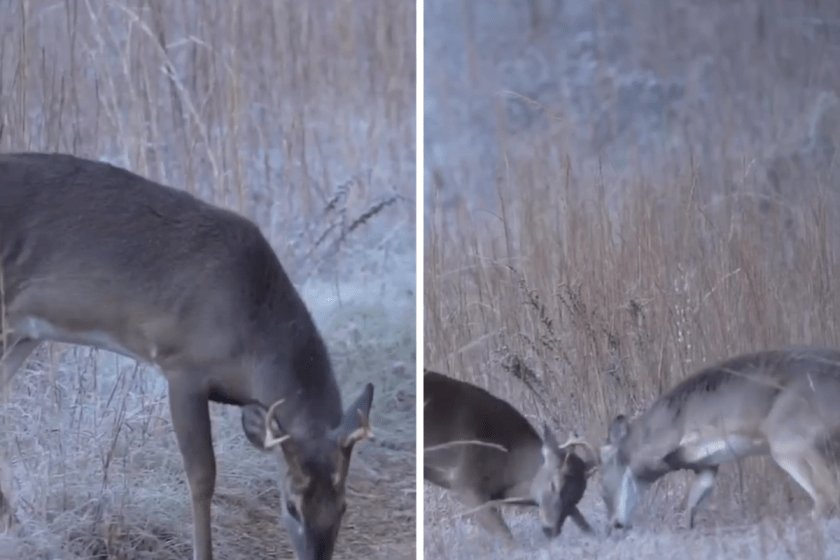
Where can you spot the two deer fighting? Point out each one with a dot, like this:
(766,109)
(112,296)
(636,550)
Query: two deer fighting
(781,403)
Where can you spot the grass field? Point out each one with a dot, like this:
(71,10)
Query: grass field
(580,282)
(299,116)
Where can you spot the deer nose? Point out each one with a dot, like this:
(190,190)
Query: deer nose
(550,532)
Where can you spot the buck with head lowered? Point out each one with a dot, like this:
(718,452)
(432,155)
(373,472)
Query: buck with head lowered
(483,450)
(95,255)
(780,402)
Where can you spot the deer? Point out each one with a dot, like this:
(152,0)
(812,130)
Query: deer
(484,451)
(782,403)
(95,255)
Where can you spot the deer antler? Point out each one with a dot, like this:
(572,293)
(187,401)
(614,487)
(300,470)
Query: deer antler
(464,442)
(270,440)
(346,443)
(576,440)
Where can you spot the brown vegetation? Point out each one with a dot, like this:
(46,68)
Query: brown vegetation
(582,291)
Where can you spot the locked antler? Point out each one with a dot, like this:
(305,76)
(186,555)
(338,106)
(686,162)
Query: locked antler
(576,440)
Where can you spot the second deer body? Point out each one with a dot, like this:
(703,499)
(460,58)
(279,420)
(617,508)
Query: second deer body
(785,403)
(460,420)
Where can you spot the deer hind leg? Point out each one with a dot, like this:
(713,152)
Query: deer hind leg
(826,481)
(808,468)
(700,489)
(796,430)
(191,420)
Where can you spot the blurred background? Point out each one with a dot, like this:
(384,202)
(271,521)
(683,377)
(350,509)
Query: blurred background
(299,115)
(617,194)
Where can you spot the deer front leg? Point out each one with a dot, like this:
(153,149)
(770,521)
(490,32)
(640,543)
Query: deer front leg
(191,420)
(14,353)
(14,356)
(580,520)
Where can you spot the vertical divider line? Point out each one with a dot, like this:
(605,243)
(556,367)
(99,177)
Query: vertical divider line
(418,270)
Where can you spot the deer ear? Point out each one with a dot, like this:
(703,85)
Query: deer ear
(354,427)
(548,436)
(549,447)
(550,456)
(619,429)
(606,453)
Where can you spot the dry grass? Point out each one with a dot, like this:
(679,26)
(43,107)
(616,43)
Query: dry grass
(582,290)
(300,115)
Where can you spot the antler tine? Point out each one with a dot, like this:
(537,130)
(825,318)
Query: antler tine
(270,440)
(272,408)
(577,440)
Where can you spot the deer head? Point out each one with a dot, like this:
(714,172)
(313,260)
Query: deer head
(314,471)
(561,481)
